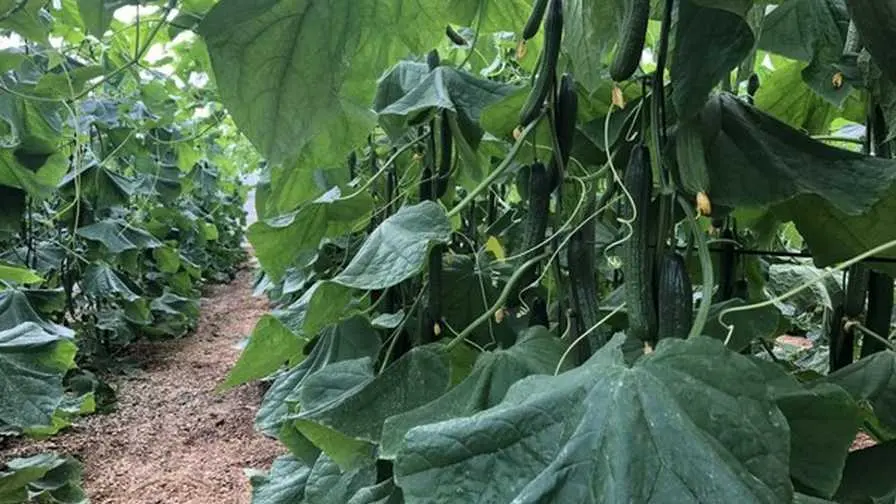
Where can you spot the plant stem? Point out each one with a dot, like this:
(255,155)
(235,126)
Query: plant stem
(705,270)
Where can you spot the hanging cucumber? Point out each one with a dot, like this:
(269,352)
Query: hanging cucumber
(632,33)
(544,80)
(432,59)
(532,24)
(637,266)
(727,267)
(583,277)
(445,157)
(880,311)
(539,208)
(675,303)
(565,112)
(856,290)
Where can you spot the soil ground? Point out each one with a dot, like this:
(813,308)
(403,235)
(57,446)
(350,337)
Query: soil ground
(173,439)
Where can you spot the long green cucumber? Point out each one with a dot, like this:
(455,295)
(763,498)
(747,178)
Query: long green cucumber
(856,290)
(445,155)
(876,23)
(880,311)
(727,269)
(535,18)
(637,266)
(583,276)
(544,80)
(539,209)
(632,33)
(565,113)
(675,302)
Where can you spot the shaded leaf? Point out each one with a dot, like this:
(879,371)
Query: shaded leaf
(872,379)
(284,484)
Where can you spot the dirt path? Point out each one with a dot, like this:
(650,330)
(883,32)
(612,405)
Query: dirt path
(173,439)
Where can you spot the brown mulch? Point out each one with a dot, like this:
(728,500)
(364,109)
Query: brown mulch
(173,439)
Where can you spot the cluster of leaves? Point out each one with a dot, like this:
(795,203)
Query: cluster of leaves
(117,203)
(412,357)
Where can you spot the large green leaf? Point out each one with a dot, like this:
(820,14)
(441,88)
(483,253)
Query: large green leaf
(297,75)
(45,477)
(351,339)
(868,475)
(101,281)
(327,305)
(691,422)
(538,352)
(872,379)
(33,363)
(97,14)
(348,398)
(784,95)
(118,236)
(397,249)
(749,326)
(279,242)
(327,484)
(823,421)
(284,484)
(813,31)
(16,309)
(17,274)
(590,31)
(24,17)
(39,181)
(270,346)
(708,44)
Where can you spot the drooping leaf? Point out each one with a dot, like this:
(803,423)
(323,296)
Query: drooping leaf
(868,475)
(16,309)
(279,242)
(101,281)
(537,352)
(812,31)
(350,339)
(348,398)
(328,304)
(33,363)
(270,346)
(46,477)
(38,183)
(872,379)
(605,432)
(118,236)
(316,94)
(284,484)
(823,421)
(327,484)
(708,44)
(97,14)
(397,249)
(784,95)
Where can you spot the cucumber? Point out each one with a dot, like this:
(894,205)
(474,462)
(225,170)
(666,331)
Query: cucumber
(675,305)
(535,18)
(880,311)
(583,278)
(565,113)
(455,37)
(632,32)
(447,147)
(432,59)
(539,209)
(637,266)
(875,21)
(856,291)
(544,80)
(727,269)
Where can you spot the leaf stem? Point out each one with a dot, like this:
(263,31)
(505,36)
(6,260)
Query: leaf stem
(705,269)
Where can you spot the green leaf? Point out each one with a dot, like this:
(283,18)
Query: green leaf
(590,32)
(312,94)
(660,431)
(285,484)
(270,346)
(813,31)
(784,95)
(101,281)
(348,398)
(708,44)
(279,242)
(868,475)
(167,259)
(40,181)
(823,421)
(103,187)
(351,339)
(328,304)
(97,14)
(45,477)
(397,249)
(537,352)
(872,379)
(18,274)
(67,84)
(24,17)
(16,309)
(33,363)
(327,484)
(749,326)
(118,236)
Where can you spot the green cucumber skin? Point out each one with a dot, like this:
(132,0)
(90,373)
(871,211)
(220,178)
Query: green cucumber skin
(565,113)
(632,33)
(675,303)
(539,209)
(544,81)
(856,290)
(532,24)
(880,311)
(583,277)
(727,263)
(637,266)
(445,158)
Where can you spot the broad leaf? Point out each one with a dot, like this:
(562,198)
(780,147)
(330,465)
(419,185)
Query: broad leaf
(538,352)
(284,484)
(813,31)
(18,274)
(708,44)
(605,432)
(868,475)
(351,339)
(270,346)
(38,183)
(784,95)
(749,326)
(279,242)
(872,379)
(24,17)
(97,14)
(118,236)
(590,31)
(328,304)
(397,249)
(32,365)
(45,477)
(348,398)
(101,281)
(16,309)
(323,58)
(327,484)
